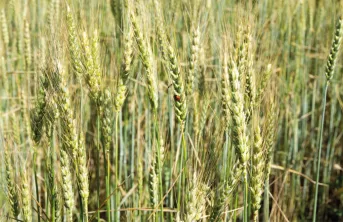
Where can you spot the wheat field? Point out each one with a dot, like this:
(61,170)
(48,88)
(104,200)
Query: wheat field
(171,110)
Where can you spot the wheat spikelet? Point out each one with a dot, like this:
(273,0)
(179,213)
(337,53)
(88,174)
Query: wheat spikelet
(225,193)
(4,28)
(264,81)
(74,44)
(193,61)
(257,175)
(196,204)
(161,35)
(128,55)
(125,70)
(238,117)
(225,87)
(82,175)
(145,54)
(38,113)
(154,186)
(331,62)
(241,50)
(27,45)
(179,94)
(58,207)
(51,180)
(26,198)
(268,142)
(250,93)
(67,187)
(53,14)
(106,131)
(12,194)
(92,72)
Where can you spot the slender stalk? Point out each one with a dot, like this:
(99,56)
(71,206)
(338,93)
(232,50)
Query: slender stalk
(320,150)
(98,166)
(246,194)
(36,183)
(116,203)
(159,165)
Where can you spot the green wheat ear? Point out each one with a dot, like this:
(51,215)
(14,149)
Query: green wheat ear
(179,94)
(12,192)
(146,56)
(38,113)
(331,62)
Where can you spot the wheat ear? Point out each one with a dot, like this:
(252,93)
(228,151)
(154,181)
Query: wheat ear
(12,192)
(145,54)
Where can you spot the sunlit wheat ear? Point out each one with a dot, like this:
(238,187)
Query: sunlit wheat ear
(226,192)
(82,174)
(26,197)
(257,174)
(128,55)
(27,45)
(179,93)
(125,70)
(120,95)
(331,62)
(12,192)
(239,135)
(196,204)
(4,28)
(67,187)
(146,57)
(61,97)
(74,45)
(92,72)
(193,61)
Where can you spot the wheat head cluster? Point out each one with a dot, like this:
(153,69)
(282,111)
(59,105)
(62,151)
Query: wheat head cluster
(171,110)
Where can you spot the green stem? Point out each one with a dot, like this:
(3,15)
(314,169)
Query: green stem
(183,172)
(116,203)
(320,151)
(36,182)
(266,201)
(246,193)
(159,163)
(98,166)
